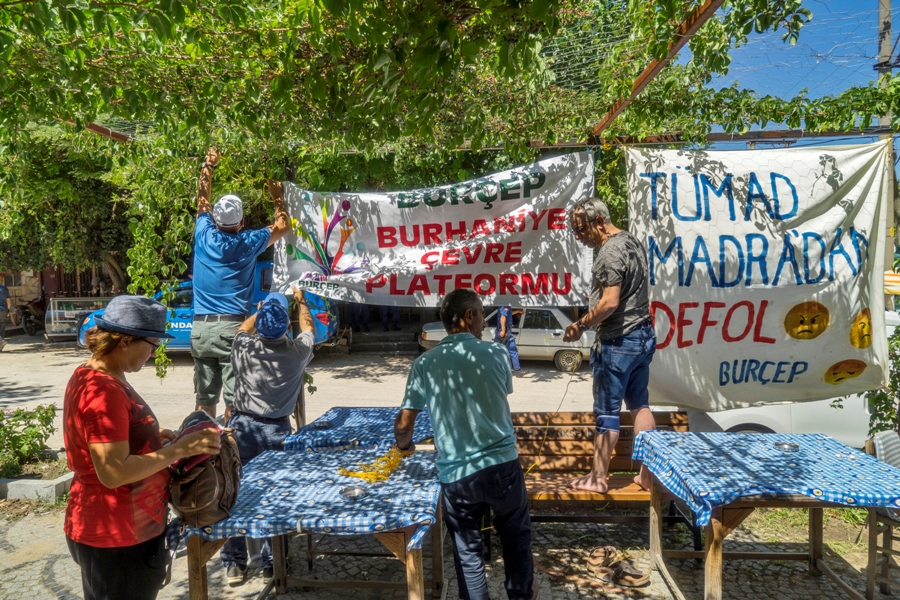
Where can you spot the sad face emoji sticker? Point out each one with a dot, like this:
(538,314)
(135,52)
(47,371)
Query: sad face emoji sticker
(844,370)
(806,321)
(861,330)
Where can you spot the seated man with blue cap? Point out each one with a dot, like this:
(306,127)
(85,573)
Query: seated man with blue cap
(268,373)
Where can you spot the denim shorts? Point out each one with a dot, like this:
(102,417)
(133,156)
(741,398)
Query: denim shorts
(621,369)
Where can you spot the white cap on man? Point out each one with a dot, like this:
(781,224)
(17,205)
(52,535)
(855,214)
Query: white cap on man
(228,211)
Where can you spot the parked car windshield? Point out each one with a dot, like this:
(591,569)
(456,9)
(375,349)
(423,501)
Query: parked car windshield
(183,299)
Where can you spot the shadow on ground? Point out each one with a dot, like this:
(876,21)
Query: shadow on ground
(13,394)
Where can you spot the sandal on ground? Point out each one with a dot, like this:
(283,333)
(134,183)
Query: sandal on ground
(602,556)
(622,573)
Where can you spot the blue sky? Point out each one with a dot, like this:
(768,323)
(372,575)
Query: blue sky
(836,51)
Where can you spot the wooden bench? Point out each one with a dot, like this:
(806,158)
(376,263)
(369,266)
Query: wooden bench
(555,448)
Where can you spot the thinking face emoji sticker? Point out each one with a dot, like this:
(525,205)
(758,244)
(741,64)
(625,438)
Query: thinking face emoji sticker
(844,370)
(806,321)
(861,330)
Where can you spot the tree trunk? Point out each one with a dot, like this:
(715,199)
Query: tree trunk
(118,276)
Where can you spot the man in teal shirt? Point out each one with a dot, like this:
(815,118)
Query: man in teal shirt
(464,382)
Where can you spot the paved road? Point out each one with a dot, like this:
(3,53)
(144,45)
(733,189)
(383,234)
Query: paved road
(33,372)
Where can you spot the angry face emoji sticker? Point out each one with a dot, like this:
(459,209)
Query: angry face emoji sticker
(844,370)
(861,330)
(806,321)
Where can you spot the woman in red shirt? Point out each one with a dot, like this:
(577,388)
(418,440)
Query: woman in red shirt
(116,516)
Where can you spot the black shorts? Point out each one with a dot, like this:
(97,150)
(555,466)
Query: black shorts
(134,572)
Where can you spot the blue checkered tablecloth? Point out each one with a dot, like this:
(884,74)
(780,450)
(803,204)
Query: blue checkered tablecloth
(708,470)
(285,492)
(354,427)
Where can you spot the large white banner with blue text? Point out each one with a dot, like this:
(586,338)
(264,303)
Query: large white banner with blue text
(766,271)
(504,235)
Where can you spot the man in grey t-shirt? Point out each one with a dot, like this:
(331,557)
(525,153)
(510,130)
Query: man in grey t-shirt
(620,313)
(268,374)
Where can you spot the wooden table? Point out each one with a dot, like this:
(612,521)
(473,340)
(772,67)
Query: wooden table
(726,519)
(200,551)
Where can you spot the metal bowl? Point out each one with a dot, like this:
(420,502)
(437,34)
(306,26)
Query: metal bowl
(787,446)
(322,424)
(353,492)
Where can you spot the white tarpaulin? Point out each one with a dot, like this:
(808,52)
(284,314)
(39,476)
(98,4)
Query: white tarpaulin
(504,235)
(766,271)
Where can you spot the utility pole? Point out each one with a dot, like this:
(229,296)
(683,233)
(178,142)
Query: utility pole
(884,66)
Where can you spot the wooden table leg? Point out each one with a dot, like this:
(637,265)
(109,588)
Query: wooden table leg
(197,582)
(887,542)
(816,539)
(872,524)
(656,523)
(279,562)
(437,553)
(712,585)
(199,553)
(415,575)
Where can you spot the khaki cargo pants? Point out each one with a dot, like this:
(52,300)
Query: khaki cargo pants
(211,349)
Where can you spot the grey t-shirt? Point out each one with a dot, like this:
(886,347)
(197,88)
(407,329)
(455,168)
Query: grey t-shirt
(621,261)
(268,373)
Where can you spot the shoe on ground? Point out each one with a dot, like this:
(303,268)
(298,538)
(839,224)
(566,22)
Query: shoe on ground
(2,344)
(386,328)
(268,572)
(396,327)
(234,575)
(366,329)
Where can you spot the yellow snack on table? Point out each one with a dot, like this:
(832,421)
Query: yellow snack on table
(380,470)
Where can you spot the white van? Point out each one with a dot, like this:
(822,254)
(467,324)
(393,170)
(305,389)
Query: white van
(849,424)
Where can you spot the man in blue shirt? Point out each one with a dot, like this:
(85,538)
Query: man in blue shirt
(224,263)
(464,382)
(503,334)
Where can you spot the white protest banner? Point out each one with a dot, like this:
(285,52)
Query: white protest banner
(766,271)
(505,236)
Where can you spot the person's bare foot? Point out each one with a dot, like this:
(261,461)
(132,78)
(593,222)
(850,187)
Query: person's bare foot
(590,483)
(643,478)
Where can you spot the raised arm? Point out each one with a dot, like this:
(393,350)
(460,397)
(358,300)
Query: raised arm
(306,320)
(249,326)
(282,223)
(204,187)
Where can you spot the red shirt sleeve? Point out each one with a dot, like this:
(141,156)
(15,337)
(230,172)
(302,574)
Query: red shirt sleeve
(105,412)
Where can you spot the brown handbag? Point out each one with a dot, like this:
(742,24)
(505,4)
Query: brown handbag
(208,491)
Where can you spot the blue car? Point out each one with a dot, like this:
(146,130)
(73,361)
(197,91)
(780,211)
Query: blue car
(181,317)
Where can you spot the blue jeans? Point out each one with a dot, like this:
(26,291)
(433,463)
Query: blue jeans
(500,488)
(254,435)
(390,314)
(622,372)
(359,314)
(513,351)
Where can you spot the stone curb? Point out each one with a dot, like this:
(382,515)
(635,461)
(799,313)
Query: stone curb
(36,489)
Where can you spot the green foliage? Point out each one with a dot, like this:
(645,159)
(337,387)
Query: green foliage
(884,401)
(364,74)
(57,205)
(23,434)
(308,382)
(355,70)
